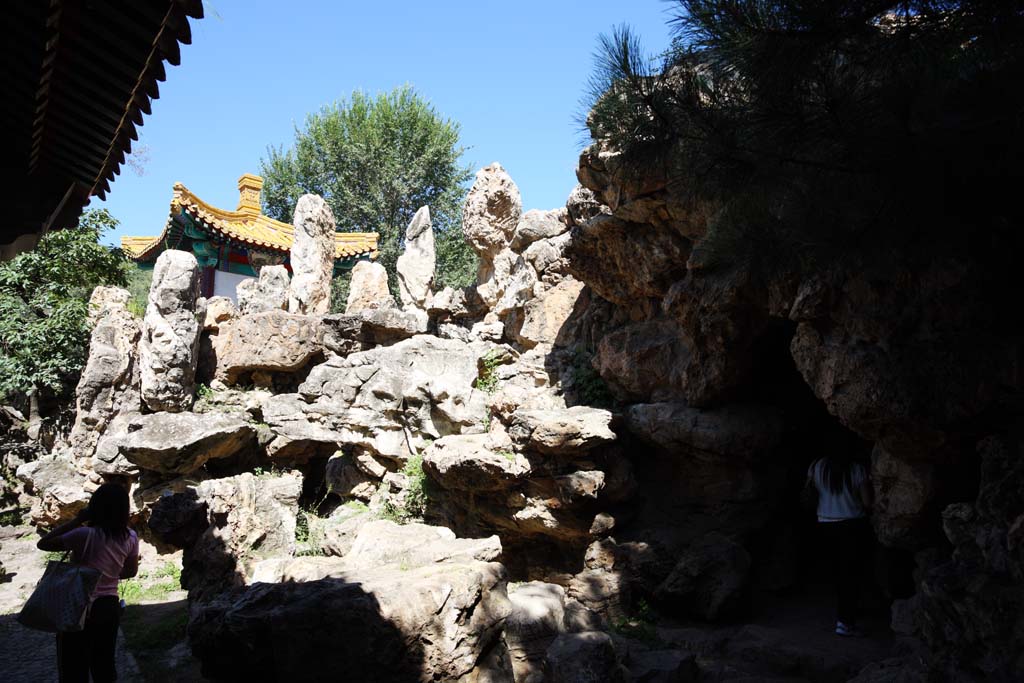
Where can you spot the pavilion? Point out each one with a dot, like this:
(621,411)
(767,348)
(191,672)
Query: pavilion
(232,246)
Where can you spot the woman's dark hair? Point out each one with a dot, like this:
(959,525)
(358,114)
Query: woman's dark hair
(109,509)
(837,471)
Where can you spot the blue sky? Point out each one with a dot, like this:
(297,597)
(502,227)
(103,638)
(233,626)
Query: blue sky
(511,73)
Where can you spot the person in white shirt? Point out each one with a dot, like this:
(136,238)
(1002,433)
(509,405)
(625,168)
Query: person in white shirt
(845,497)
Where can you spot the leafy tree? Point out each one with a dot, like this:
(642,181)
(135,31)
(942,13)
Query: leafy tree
(376,160)
(44,294)
(807,129)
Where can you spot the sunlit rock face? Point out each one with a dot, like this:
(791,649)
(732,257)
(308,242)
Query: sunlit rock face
(415,266)
(268,343)
(109,383)
(168,348)
(268,292)
(369,288)
(312,257)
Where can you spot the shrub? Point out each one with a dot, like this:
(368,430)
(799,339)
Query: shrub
(44,295)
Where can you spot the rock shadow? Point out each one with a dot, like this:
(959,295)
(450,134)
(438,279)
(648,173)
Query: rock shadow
(324,629)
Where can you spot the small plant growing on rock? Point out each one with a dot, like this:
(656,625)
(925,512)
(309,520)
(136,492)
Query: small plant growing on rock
(308,535)
(508,455)
(415,492)
(357,505)
(415,497)
(204,393)
(10,517)
(487,382)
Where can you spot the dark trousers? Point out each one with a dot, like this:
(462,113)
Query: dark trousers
(91,650)
(849,546)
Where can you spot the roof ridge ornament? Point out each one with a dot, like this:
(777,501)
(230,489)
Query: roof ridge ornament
(249,187)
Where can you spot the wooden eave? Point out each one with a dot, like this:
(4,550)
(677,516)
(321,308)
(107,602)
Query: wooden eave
(79,77)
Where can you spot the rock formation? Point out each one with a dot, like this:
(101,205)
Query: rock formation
(606,417)
(255,347)
(416,264)
(312,257)
(268,292)
(169,344)
(368,289)
(109,383)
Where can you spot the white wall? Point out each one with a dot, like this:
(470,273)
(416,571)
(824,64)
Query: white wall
(224,284)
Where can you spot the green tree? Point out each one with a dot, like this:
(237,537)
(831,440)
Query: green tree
(376,160)
(44,295)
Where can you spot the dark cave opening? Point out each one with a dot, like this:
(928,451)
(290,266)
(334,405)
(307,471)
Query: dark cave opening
(791,559)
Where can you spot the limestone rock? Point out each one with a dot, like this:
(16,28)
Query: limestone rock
(273,341)
(584,657)
(268,292)
(178,518)
(219,310)
(709,580)
(492,210)
(664,666)
(103,299)
(390,325)
(182,442)
(546,317)
(624,261)
(345,334)
(493,275)
(603,591)
(547,256)
(387,624)
(340,529)
(369,288)
(248,518)
(456,304)
(170,333)
(516,289)
(382,542)
(488,331)
(110,379)
(369,398)
(312,257)
(57,489)
(537,618)
(342,476)
(571,430)
(970,604)
(905,498)
(415,267)
(737,431)
(468,463)
(643,361)
(538,225)
(582,205)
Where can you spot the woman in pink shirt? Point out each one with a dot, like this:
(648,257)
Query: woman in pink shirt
(108,545)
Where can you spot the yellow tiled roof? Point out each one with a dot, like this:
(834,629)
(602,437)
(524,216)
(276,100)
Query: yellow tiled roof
(136,247)
(246,225)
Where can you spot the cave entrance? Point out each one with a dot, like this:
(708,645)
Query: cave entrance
(792,564)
